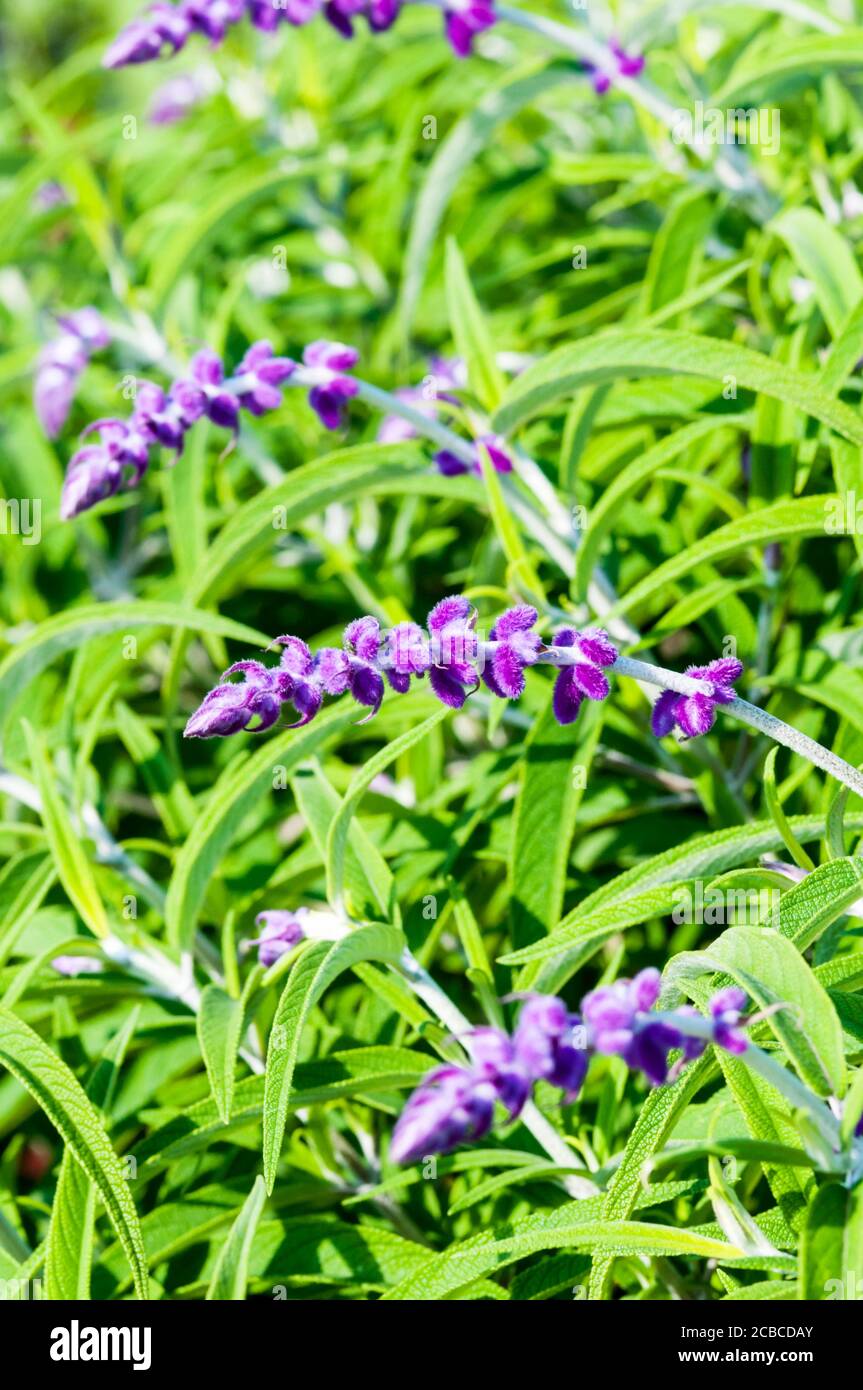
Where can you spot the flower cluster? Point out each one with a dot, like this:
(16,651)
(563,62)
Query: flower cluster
(695,714)
(282,931)
(454,1105)
(163,418)
(450,652)
(617,64)
(61,364)
(165,27)
(447,376)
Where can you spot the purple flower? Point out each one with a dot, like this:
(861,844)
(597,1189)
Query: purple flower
(61,364)
(452,1105)
(259,377)
(176,98)
(550,1045)
(281,932)
(221,405)
(362,640)
(333,390)
(585,677)
(614,1017)
(515,648)
(725,1010)
(453,648)
(232,706)
(341,14)
(213,18)
(407,654)
(451,465)
(617,64)
(301,678)
(695,714)
(464,19)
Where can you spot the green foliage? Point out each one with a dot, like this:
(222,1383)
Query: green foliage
(667,336)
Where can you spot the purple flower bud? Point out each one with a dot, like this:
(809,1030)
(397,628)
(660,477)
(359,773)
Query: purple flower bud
(585,677)
(336,357)
(617,64)
(329,397)
(451,1106)
(695,714)
(463,20)
(495,1060)
(144,39)
(298,679)
(451,465)
(93,474)
(232,707)
(281,932)
(61,364)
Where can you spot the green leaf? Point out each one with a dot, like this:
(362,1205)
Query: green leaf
(569,1227)
(248,778)
(69,1251)
(313,973)
(774,806)
(824,257)
(337,839)
(831,1250)
(772,971)
(810,907)
(220,1026)
(657,1118)
(58,1094)
(804,516)
(619,356)
(785,62)
(463,145)
(231,1274)
(69,631)
(623,485)
(470,331)
(73,866)
(24,882)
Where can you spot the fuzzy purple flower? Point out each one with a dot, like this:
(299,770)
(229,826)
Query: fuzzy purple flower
(450,1107)
(233,705)
(329,396)
(515,648)
(282,931)
(259,376)
(164,418)
(695,714)
(593,650)
(454,648)
(61,364)
(613,1013)
(549,1044)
